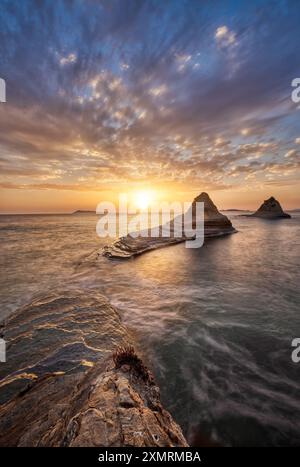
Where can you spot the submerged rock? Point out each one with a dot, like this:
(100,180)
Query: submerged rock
(62,387)
(270,209)
(215,225)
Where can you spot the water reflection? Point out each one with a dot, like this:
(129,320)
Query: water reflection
(215,324)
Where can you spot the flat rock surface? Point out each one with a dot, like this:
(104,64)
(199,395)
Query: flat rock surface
(215,225)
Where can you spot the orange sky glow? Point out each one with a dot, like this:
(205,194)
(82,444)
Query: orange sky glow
(178,102)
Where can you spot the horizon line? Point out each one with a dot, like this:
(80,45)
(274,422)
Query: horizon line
(90,211)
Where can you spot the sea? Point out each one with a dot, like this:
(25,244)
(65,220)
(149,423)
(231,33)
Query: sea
(215,324)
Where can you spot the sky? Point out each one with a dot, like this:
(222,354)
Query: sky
(107,97)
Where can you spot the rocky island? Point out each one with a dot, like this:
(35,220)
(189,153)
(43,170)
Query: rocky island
(215,225)
(270,209)
(73,378)
(83,211)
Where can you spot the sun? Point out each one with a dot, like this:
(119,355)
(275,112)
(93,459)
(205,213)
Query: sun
(143,199)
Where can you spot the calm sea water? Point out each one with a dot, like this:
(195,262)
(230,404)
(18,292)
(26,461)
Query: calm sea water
(215,324)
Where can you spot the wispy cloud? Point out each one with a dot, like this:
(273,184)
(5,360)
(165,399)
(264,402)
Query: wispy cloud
(108,92)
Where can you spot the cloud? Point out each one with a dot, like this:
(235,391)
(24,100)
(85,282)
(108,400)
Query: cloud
(70,58)
(183,61)
(147,96)
(224,36)
(291,153)
(158,90)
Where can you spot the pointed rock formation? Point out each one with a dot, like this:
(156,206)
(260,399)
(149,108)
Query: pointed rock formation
(215,225)
(271,209)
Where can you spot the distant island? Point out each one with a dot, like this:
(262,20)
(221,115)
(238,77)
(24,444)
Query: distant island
(270,209)
(80,211)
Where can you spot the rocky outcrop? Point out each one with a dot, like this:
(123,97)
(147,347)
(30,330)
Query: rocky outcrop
(271,209)
(64,386)
(215,225)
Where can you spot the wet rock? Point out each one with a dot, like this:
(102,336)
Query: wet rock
(69,391)
(215,225)
(62,332)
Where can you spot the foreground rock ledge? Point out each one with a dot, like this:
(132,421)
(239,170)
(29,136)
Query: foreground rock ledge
(65,390)
(215,225)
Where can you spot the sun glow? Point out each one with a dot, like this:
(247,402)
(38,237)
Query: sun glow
(143,199)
